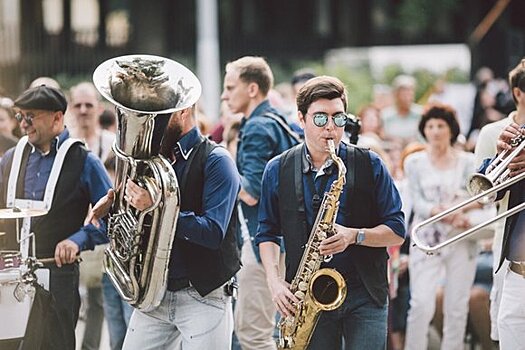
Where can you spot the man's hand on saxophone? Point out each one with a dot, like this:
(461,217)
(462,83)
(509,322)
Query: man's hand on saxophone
(282,297)
(337,243)
(284,300)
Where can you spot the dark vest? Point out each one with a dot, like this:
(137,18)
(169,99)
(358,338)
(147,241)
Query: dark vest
(69,207)
(516,195)
(370,263)
(207,269)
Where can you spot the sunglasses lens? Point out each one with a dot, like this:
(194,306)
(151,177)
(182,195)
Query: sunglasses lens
(320,119)
(27,118)
(340,119)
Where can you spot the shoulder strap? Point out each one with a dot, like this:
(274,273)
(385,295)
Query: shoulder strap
(284,125)
(15,168)
(350,169)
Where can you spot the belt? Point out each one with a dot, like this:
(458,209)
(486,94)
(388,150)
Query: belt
(177,284)
(519,268)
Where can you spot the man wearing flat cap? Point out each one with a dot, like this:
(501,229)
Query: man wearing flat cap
(49,170)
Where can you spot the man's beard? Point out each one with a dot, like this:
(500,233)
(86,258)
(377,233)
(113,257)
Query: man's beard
(171,136)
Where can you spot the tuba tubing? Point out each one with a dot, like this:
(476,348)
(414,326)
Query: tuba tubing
(145,90)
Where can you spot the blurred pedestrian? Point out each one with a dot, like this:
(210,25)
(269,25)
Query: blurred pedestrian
(263,134)
(400,121)
(436,179)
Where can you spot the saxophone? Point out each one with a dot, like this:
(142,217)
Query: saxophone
(145,90)
(317,289)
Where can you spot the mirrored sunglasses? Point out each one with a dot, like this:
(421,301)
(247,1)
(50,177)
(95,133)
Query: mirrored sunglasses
(28,118)
(321,119)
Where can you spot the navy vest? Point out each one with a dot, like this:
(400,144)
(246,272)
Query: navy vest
(370,263)
(69,207)
(516,194)
(207,269)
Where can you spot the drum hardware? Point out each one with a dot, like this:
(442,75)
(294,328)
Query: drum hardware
(18,275)
(51,261)
(10,259)
(19,213)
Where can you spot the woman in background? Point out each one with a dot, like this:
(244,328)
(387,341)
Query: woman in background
(436,178)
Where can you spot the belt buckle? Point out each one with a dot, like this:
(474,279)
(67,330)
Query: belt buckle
(520,266)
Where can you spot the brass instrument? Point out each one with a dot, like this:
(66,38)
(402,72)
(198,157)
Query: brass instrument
(484,189)
(496,173)
(144,89)
(317,289)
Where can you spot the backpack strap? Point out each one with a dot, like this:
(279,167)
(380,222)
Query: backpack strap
(284,125)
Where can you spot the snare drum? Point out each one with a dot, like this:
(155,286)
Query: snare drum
(10,259)
(13,313)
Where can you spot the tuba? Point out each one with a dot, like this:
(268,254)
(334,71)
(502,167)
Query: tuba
(317,289)
(145,90)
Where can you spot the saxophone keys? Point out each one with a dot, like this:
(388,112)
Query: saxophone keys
(303,286)
(310,265)
(299,295)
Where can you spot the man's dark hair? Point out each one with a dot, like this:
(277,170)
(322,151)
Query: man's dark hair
(517,78)
(318,88)
(443,112)
(302,76)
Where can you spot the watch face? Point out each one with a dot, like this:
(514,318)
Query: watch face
(360,236)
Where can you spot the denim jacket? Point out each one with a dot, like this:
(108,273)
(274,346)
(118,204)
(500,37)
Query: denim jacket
(260,139)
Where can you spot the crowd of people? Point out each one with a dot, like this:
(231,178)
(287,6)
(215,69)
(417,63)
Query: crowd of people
(247,210)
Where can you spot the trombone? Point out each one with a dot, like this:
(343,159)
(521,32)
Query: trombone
(484,189)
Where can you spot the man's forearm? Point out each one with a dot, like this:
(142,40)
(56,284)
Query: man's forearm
(247,198)
(381,236)
(270,254)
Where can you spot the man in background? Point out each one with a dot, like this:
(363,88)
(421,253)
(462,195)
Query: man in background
(263,134)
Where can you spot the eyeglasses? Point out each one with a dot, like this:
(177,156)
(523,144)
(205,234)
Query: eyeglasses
(28,118)
(321,119)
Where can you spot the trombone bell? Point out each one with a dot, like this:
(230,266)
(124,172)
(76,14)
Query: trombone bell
(478,183)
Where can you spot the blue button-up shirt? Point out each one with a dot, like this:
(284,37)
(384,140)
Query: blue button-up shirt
(94,180)
(221,187)
(260,139)
(387,199)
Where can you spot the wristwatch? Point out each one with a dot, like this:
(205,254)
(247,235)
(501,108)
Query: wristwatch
(360,237)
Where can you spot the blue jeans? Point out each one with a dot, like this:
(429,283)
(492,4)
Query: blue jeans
(183,318)
(94,319)
(360,321)
(117,312)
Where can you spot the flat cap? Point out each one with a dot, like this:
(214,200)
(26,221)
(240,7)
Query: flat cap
(42,97)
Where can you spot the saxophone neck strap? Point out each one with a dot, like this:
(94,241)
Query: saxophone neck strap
(316,192)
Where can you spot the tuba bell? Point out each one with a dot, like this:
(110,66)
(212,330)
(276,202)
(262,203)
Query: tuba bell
(145,90)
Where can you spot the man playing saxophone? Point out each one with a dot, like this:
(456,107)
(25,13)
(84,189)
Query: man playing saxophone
(368,220)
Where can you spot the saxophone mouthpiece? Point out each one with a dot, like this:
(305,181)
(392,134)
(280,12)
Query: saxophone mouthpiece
(331,146)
